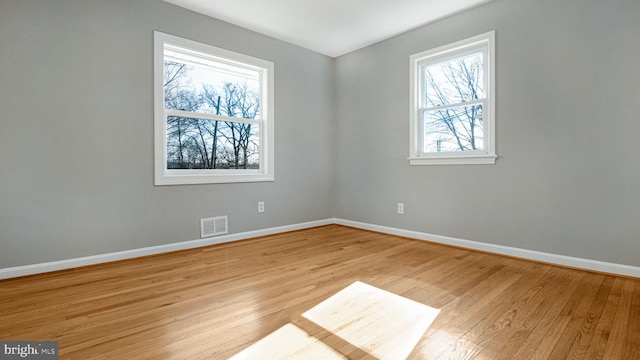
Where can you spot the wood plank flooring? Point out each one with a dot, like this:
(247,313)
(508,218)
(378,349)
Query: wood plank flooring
(213,302)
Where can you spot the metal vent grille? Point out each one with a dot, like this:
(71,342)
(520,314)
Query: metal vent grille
(213,226)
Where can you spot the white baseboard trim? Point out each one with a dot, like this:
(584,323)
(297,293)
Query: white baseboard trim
(594,265)
(134,253)
(573,262)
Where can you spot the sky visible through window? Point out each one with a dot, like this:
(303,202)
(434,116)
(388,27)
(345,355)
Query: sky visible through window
(212,93)
(453,104)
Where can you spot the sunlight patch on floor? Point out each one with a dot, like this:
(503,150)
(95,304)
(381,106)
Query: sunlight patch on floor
(376,322)
(385,325)
(288,342)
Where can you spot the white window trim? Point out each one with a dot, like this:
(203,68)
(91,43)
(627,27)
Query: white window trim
(484,157)
(164,176)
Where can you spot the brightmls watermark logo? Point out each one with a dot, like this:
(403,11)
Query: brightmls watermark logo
(32,350)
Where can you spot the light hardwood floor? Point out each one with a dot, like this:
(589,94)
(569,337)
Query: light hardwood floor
(213,302)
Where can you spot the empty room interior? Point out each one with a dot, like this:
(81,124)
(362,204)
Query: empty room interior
(350,180)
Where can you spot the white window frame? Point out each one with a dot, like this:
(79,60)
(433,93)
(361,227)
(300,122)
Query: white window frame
(265,172)
(484,42)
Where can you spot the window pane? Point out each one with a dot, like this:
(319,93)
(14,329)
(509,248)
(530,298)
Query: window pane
(454,81)
(453,129)
(217,89)
(207,144)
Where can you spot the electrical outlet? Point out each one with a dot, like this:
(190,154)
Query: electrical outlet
(261,206)
(400,208)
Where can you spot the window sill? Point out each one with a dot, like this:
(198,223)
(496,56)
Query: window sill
(188,179)
(454,160)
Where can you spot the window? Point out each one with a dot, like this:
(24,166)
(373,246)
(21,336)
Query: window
(213,114)
(452,103)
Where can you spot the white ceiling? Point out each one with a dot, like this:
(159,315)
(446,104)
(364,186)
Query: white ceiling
(330,27)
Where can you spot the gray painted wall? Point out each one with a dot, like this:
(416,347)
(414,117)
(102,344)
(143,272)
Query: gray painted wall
(76,132)
(567,180)
(76,121)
